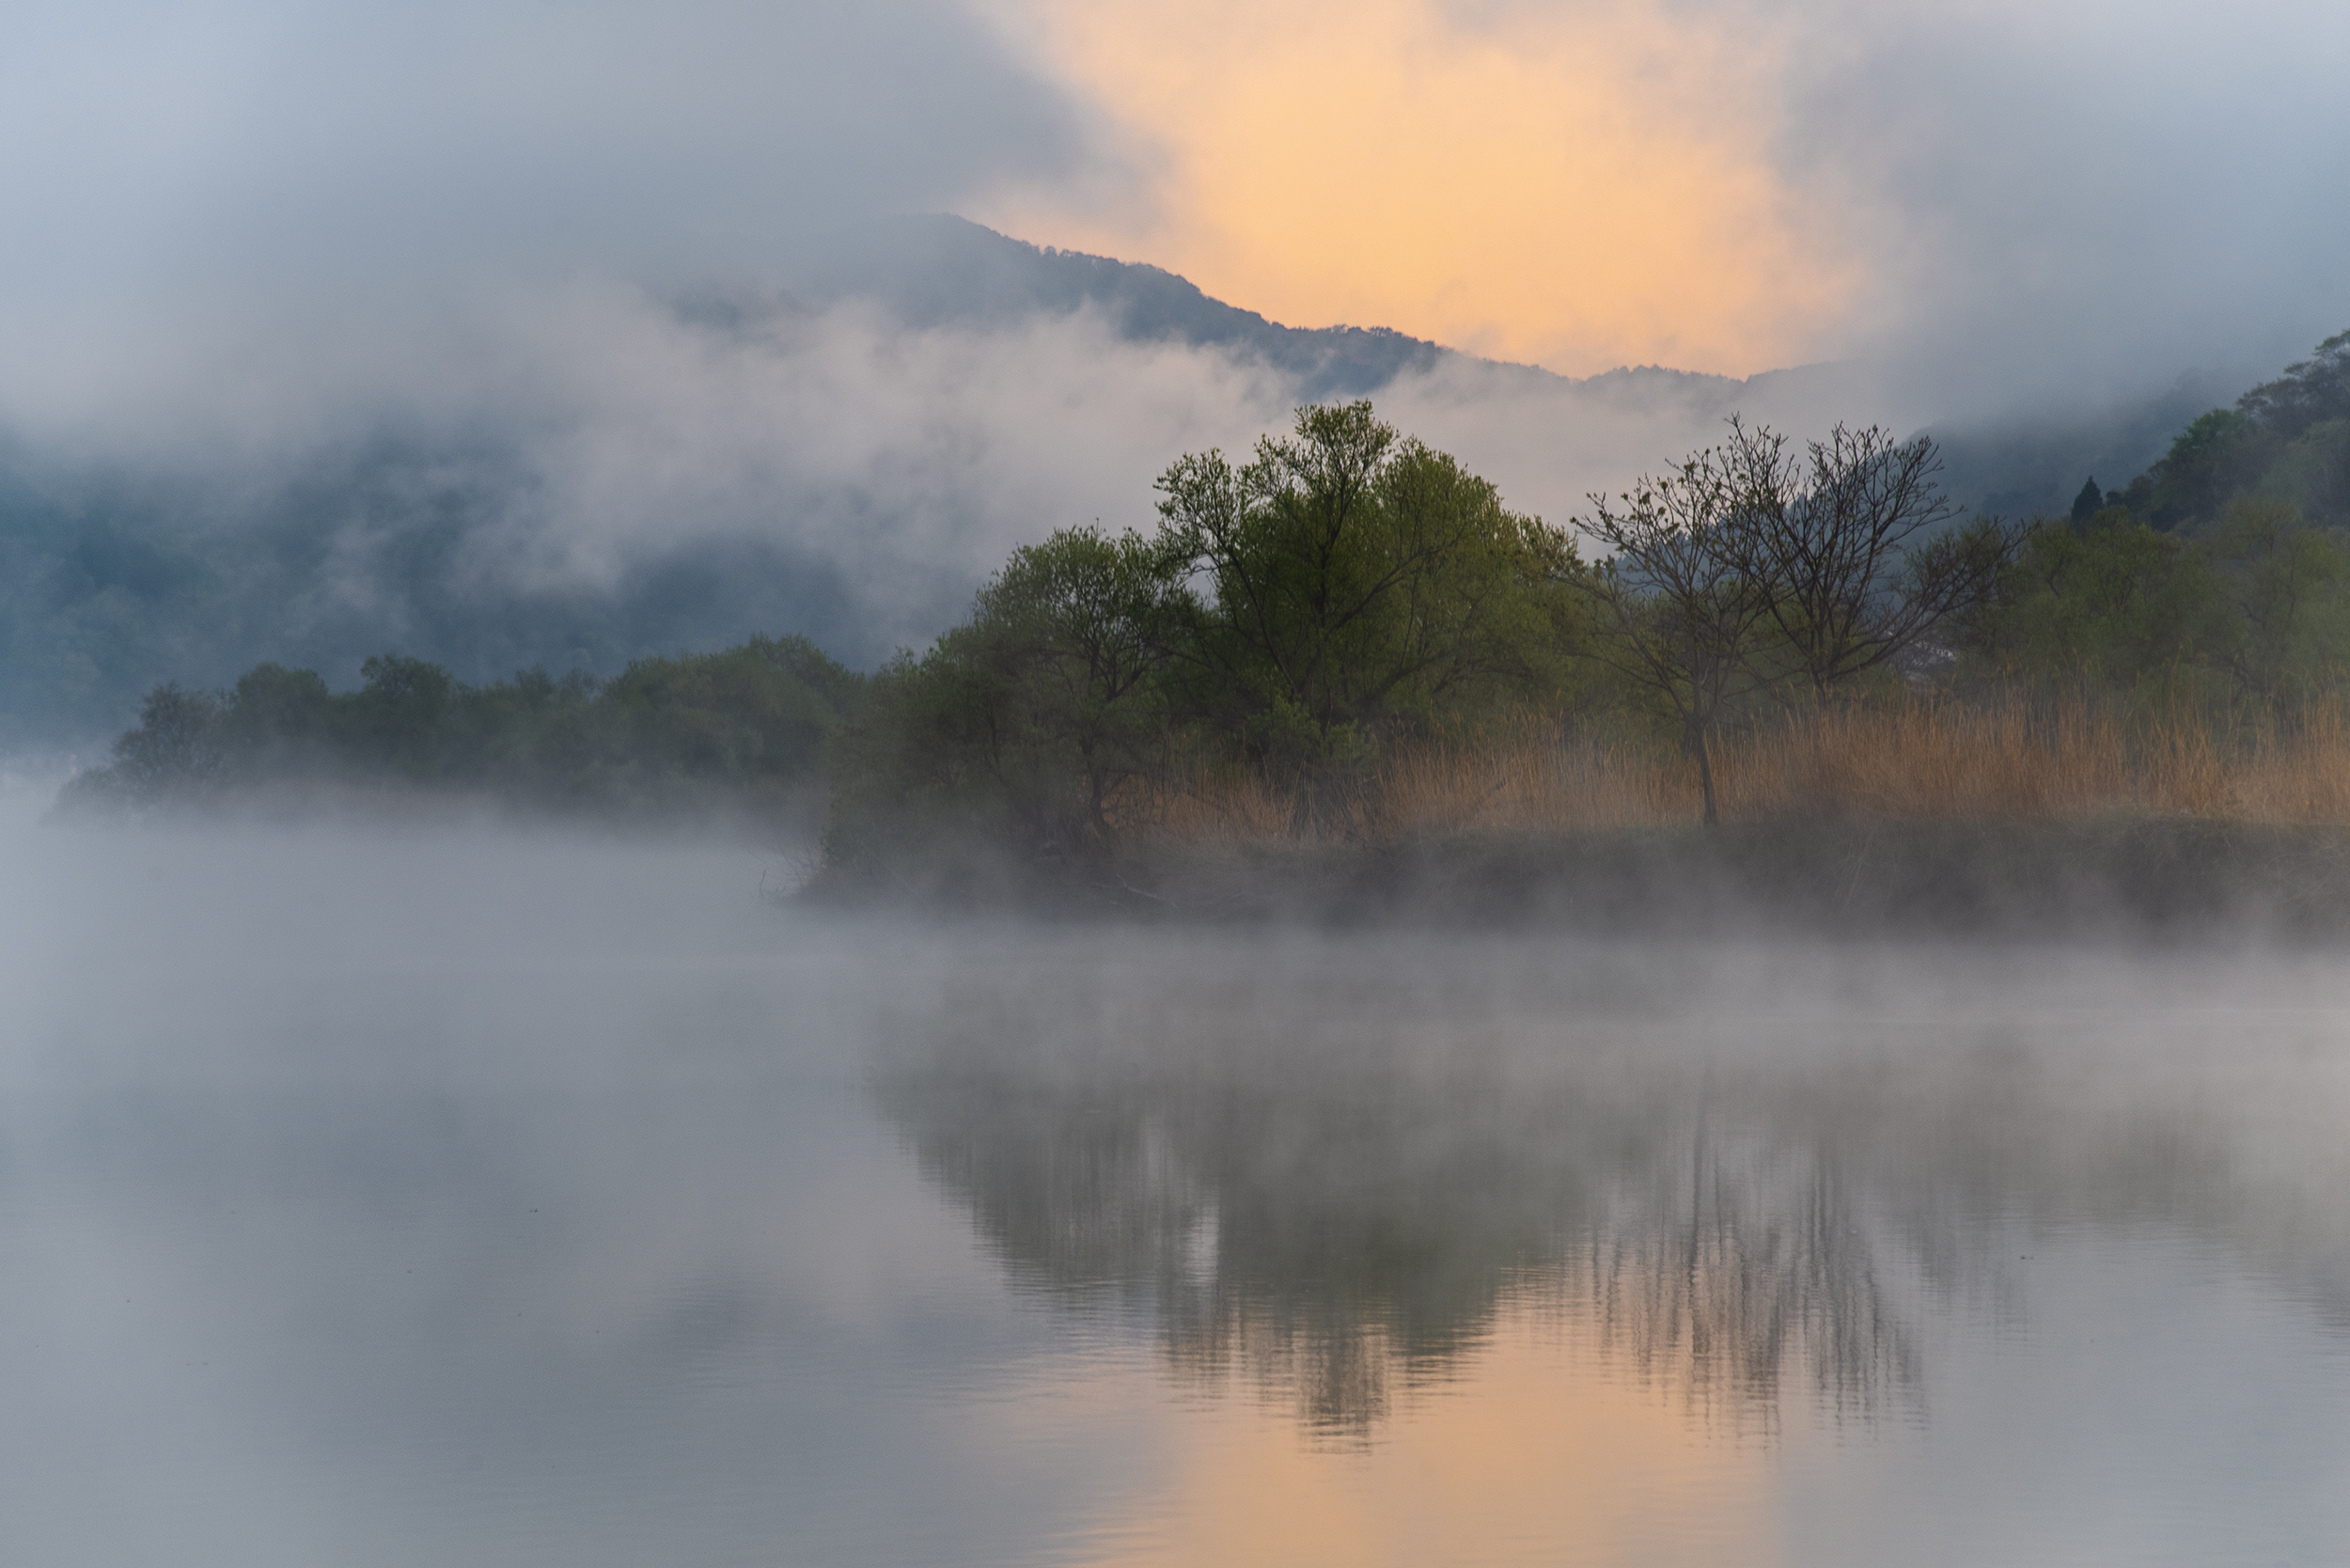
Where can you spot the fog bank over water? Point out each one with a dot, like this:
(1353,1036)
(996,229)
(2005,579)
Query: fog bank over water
(488,1197)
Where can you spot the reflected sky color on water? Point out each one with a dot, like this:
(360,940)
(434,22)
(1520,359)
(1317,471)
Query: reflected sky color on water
(461,1197)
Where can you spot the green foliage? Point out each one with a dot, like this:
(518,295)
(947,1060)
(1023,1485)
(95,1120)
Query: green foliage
(757,715)
(396,721)
(744,728)
(2214,459)
(2254,615)
(1346,590)
(2314,391)
(177,748)
(1293,613)
(2313,472)
(2283,582)
(1021,723)
(1360,587)
(2115,602)
(2287,438)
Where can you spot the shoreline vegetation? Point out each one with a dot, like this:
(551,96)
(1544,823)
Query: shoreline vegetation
(1920,817)
(1341,679)
(731,738)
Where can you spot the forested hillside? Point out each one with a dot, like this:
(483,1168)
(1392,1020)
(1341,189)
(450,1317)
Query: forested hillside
(2285,442)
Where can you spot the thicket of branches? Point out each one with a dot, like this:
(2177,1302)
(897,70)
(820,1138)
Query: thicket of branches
(1752,570)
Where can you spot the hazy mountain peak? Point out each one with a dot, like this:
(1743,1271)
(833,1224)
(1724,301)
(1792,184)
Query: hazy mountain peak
(934,270)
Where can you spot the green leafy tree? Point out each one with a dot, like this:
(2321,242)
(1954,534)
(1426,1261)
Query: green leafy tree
(2316,390)
(278,721)
(752,717)
(2217,457)
(1080,627)
(2282,581)
(176,753)
(395,721)
(746,728)
(1344,588)
(2116,607)
(1358,585)
(2313,473)
(1021,725)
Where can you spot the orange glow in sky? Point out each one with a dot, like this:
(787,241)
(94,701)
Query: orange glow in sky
(1580,187)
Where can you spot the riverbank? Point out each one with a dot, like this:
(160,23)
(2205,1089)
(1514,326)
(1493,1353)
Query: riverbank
(2121,877)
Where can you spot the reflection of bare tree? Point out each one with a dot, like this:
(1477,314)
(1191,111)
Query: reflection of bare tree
(1758,1268)
(1327,1244)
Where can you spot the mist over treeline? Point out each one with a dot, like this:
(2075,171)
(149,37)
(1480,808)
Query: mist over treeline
(728,735)
(1350,618)
(1349,635)
(590,476)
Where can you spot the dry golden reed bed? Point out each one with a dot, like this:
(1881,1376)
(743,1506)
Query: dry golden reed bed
(1917,762)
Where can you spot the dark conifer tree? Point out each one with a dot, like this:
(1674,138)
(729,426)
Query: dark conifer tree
(2088,503)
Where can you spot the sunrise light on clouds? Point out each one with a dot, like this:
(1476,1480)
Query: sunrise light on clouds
(1577,188)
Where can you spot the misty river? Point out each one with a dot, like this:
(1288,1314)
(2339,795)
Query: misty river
(456,1197)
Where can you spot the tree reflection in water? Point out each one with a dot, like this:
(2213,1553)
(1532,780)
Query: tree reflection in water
(1758,1267)
(1328,1243)
(1332,1169)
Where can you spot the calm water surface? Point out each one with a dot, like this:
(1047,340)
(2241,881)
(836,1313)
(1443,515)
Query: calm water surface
(459,1198)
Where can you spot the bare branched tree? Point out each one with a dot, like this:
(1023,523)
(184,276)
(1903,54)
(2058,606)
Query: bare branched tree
(1751,567)
(1848,548)
(1685,607)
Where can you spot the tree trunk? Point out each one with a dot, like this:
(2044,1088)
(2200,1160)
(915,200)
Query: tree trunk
(1705,776)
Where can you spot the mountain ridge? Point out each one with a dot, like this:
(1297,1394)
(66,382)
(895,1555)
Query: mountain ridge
(939,269)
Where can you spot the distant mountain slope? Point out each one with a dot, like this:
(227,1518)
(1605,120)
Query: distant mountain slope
(938,270)
(108,589)
(2035,466)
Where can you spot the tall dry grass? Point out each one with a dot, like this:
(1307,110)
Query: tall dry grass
(1921,761)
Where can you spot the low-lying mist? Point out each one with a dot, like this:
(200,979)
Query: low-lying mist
(511,1188)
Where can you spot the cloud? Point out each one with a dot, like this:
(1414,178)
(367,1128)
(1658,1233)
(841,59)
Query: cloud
(898,455)
(2013,201)
(2016,200)
(165,153)
(2051,200)
(1582,186)
(567,439)
(583,473)
(1550,443)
